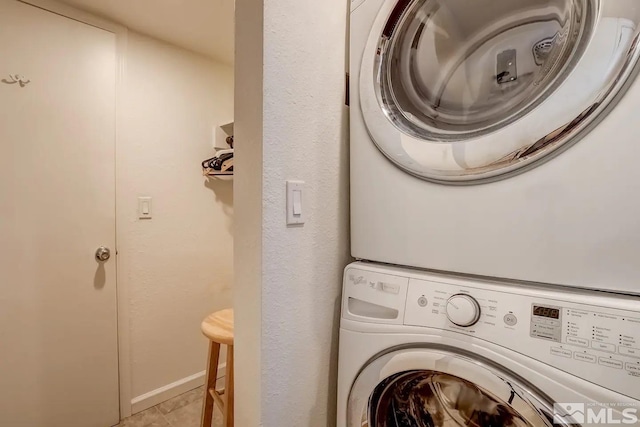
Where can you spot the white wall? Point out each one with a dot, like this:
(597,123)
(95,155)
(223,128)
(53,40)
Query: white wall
(176,267)
(292,276)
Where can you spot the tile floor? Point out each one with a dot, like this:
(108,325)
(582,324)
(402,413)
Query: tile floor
(181,411)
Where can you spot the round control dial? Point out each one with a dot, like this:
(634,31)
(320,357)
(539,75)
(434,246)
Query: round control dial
(463,310)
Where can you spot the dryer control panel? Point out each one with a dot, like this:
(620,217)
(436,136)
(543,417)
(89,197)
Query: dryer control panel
(592,335)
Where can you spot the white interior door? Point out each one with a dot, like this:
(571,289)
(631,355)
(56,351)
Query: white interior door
(58,326)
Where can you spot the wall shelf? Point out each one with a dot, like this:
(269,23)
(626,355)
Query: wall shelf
(211,172)
(222,163)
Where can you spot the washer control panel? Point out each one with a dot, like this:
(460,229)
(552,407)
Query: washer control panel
(586,335)
(592,335)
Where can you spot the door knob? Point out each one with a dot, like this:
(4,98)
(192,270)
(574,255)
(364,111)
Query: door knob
(103,254)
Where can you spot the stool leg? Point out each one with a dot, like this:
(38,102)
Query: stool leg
(210,383)
(228,390)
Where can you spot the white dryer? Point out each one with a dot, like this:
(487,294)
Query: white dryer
(428,350)
(498,138)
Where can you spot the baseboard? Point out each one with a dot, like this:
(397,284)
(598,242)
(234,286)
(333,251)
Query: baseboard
(169,391)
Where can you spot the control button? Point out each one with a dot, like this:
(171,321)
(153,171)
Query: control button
(603,346)
(546,335)
(557,351)
(611,363)
(545,328)
(549,322)
(390,288)
(510,319)
(463,310)
(585,357)
(578,341)
(634,368)
(422,301)
(629,351)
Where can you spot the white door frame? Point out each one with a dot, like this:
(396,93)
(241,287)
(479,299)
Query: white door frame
(121,33)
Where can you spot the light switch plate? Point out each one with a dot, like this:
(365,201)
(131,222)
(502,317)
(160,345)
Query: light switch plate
(144,208)
(295,202)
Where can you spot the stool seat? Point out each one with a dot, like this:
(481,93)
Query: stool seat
(218,327)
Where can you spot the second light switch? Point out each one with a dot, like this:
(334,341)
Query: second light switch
(144,207)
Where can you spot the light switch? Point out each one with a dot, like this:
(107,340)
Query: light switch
(294,202)
(144,207)
(297,202)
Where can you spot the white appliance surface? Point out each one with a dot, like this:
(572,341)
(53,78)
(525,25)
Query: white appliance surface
(569,221)
(572,345)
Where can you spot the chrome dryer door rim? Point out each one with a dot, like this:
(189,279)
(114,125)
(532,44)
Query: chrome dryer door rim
(591,73)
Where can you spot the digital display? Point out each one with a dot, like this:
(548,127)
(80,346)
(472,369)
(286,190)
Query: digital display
(553,313)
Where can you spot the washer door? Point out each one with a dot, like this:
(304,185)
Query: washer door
(461,91)
(441,387)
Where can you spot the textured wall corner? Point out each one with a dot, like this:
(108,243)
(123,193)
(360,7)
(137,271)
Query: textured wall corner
(304,137)
(248,212)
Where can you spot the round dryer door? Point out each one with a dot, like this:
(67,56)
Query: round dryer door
(462,91)
(443,388)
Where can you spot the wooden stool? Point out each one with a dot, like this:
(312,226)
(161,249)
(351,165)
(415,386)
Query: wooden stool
(218,327)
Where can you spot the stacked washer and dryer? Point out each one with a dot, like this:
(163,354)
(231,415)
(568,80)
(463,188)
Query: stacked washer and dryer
(495,214)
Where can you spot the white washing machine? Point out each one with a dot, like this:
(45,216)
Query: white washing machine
(427,350)
(498,138)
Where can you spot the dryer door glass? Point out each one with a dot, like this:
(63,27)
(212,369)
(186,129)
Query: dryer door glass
(444,387)
(461,91)
(453,69)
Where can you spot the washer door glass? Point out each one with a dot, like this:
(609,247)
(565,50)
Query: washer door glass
(459,90)
(442,387)
(431,398)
